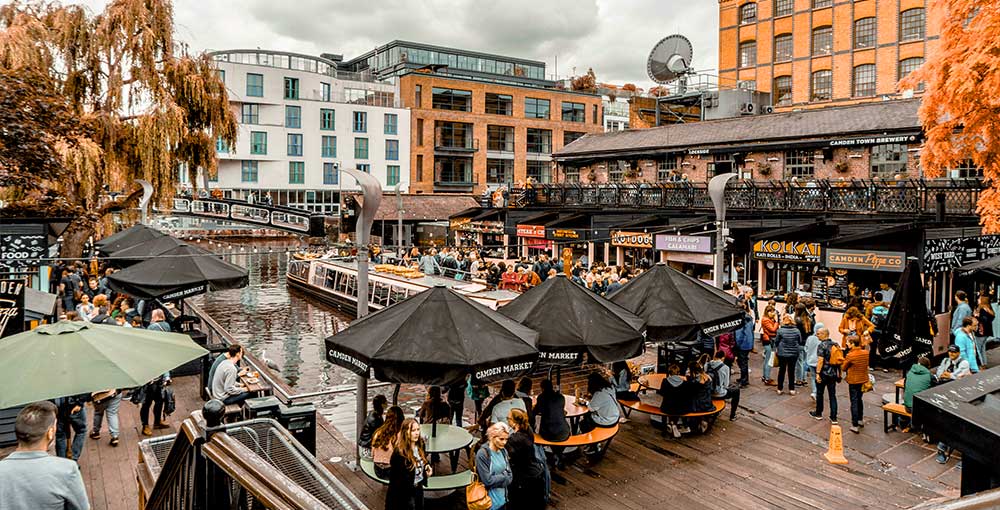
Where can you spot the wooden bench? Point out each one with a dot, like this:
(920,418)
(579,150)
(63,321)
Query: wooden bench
(598,435)
(638,405)
(435,483)
(896,410)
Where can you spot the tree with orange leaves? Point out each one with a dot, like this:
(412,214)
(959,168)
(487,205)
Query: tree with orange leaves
(960,111)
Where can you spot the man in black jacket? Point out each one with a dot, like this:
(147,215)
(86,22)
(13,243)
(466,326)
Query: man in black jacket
(71,419)
(373,421)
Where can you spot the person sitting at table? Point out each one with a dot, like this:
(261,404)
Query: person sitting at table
(675,401)
(528,489)
(434,408)
(700,390)
(383,440)
(500,406)
(226,386)
(523,392)
(373,422)
(722,388)
(604,408)
(550,409)
(918,379)
(623,381)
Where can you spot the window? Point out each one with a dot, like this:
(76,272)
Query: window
(420,132)
(911,25)
(539,141)
(782,47)
(293,116)
(327,119)
(819,4)
(248,171)
(783,7)
(573,112)
(360,148)
(909,65)
(329,146)
(454,135)
(536,108)
(864,80)
(330,174)
(822,86)
(499,171)
(571,136)
(864,33)
(221,145)
(500,138)
(453,170)
(296,172)
(255,85)
(616,170)
(541,171)
(888,160)
(418,96)
(822,41)
(391,122)
(291,88)
(221,73)
(782,91)
(966,170)
(250,113)
(451,99)
(666,169)
(799,164)
(324,91)
(420,167)
(364,167)
(594,116)
(392,150)
(571,173)
(748,54)
(360,122)
(499,104)
(294,144)
(748,13)
(258,142)
(392,175)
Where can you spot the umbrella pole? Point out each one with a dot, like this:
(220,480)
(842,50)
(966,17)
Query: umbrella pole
(395,395)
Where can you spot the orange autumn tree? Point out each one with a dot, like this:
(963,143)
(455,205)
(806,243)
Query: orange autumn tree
(960,111)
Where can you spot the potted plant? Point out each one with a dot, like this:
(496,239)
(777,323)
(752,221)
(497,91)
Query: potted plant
(842,167)
(763,169)
(592,176)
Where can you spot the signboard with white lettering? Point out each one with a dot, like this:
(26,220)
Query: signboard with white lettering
(874,140)
(11,307)
(788,251)
(531,231)
(870,260)
(689,244)
(22,246)
(940,255)
(631,239)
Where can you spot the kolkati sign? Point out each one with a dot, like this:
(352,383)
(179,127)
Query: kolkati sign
(531,231)
(788,251)
(688,244)
(631,239)
(869,260)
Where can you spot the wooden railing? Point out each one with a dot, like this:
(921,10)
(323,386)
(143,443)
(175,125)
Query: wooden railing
(987,500)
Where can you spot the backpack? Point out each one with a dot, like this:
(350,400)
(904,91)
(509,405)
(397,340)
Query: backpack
(880,315)
(833,358)
(714,373)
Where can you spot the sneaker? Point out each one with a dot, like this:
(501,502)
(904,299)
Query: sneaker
(675,431)
(732,417)
(861,425)
(780,392)
(703,426)
(684,429)
(114,441)
(622,419)
(855,429)
(146,431)
(812,396)
(95,434)
(941,458)
(791,392)
(833,421)
(816,416)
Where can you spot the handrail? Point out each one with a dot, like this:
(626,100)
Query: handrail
(981,501)
(174,479)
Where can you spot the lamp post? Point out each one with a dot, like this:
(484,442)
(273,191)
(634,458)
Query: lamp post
(717,192)
(399,223)
(371,188)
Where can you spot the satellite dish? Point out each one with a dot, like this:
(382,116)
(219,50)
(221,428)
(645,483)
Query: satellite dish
(670,59)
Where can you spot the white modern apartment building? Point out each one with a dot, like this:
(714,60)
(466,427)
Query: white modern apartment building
(300,120)
(615,113)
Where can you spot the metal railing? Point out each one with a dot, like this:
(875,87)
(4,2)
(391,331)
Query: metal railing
(920,197)
(986,500)
(291,219)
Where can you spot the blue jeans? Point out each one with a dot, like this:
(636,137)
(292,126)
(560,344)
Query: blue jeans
(811,375)
(76,425)
(236,399)
(109,406)
(981,350)
(800,364)
(766,370)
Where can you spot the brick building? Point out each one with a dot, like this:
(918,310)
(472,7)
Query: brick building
(814,53)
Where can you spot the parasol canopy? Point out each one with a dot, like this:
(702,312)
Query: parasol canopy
(137,253)
(907,330)
(180,272)
(136,234)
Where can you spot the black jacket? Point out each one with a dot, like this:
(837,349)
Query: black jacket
(551,406)
(402,493)
(527,489)
(372,423)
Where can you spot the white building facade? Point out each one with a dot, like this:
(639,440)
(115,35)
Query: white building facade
(300,120)
(615,113)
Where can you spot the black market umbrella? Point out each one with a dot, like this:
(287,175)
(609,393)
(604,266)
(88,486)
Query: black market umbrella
(677,307)
(435,337)
(131,236)
(144,250)
(181,272)
(907,331)
(572,320)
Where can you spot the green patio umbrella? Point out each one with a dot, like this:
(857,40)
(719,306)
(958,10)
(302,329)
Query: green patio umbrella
(69,358)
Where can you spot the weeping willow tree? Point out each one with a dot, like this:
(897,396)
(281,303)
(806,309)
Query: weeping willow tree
(118,101)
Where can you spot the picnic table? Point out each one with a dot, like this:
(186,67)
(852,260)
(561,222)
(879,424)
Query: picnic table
(254,384)
(574,411)
(651,381)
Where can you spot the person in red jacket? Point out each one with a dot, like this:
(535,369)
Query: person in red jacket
(768,330)
(856,375)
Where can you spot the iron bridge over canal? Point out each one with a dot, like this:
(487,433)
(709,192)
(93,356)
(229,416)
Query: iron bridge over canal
(288,219)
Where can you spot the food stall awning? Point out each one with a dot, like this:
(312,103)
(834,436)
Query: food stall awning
(853,233)
(815,231)
(38,304)
(489,214)
(539,219)
(571,221)
(990,266)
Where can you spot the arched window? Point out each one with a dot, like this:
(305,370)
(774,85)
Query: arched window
(782,47)
(822,40)
(782,91)
(864,80)
(822,85)
(748,13)
(911,24)
(748,54)
(864,33)
(907,66)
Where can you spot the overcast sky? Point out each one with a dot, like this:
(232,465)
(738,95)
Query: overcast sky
(611,36)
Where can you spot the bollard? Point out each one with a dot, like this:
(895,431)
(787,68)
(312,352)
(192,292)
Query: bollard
(835,453)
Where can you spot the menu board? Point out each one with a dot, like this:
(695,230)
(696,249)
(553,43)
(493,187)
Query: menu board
(830,285)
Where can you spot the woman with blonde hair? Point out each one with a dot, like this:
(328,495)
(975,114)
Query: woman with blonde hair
(408,469)
(493,466)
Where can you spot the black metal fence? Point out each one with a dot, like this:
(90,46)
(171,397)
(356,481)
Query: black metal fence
(958,196)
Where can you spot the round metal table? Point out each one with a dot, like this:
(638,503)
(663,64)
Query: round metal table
(573,410)
(448,438)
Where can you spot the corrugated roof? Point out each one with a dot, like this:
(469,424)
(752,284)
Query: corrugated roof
(885,116)
(422,207)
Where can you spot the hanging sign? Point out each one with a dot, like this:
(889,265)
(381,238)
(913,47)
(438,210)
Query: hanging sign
(531,231)
(788,251)
(631,239)
(689,244)
(22,246)
(870,260)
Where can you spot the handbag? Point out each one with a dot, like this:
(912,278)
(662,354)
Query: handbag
(868,386)
(476,495)
(774,360)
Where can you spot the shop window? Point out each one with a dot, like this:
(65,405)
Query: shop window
(783,7)
(748,54)
(782,91)
(451,99)
(822,41)
(499,104)
(822,85)
(864,80)
(799,163)
(722,164)
(666,169)
(499,171)
(540,171)
(748,13)
(782,47)
(571,174)
(966,170)
(864,33)
(888,160)
(911,25)
(617,170)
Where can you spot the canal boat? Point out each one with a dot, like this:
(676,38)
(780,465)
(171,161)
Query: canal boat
(334,281)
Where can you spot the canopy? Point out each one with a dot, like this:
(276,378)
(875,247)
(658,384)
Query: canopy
(990,266)
(677,307)
(181,272)
(907,332)
(69,358)
(139,252)
(572,320)
(435,337)
(131,236)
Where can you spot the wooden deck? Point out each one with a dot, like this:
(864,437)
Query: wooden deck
(745,464)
